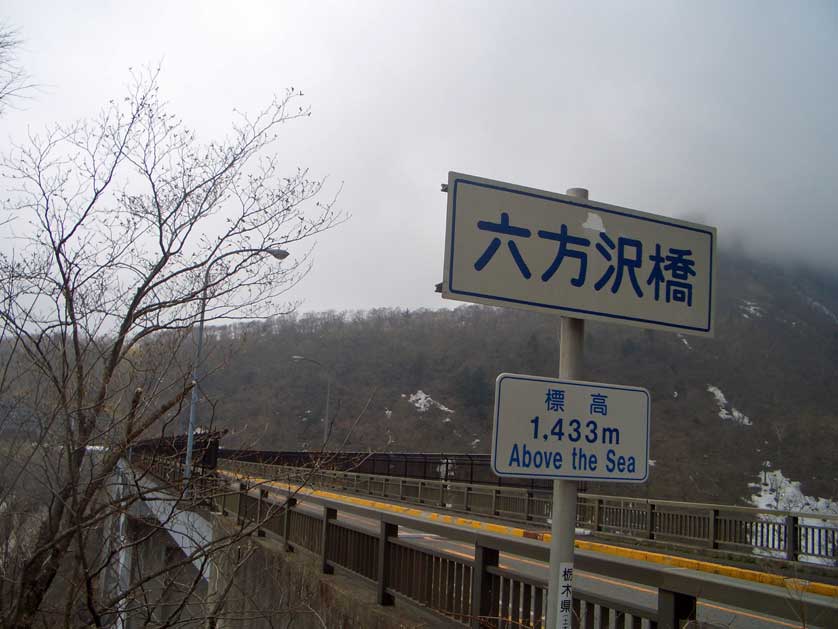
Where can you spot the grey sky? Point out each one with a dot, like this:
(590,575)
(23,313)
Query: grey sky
(721,112)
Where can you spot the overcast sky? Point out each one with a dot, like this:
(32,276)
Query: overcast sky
(720,112)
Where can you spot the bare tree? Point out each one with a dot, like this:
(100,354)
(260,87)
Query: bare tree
(125,231)
(14,81)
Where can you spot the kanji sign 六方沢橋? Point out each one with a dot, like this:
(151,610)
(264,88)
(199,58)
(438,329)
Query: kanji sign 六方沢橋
(507,245)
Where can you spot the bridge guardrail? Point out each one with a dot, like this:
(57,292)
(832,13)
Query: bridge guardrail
(780,535)
(478,592)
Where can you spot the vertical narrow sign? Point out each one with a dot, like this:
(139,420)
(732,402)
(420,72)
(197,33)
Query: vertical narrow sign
(565,617)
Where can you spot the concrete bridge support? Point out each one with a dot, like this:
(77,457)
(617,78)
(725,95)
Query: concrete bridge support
(180,590)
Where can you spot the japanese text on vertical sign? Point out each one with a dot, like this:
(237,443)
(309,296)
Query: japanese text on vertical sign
(673,269)
(565,595)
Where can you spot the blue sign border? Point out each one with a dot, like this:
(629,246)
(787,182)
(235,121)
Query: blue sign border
(596,208)
(572,383)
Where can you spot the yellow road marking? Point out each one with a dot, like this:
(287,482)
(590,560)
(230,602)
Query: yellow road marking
(824,589)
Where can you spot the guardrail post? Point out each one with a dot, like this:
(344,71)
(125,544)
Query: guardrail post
(674,609)
(220,497)
(598,515)
(442,487)
(466,493)
(713,516)
(329,514)
(650,520)
(528,506)
(286,523)
(240,507)
(481,583)
(401,489)
(260,512)
(419,493)
(792,542)
(495,493)
(386,531)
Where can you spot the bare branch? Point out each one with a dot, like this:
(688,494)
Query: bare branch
(128,231)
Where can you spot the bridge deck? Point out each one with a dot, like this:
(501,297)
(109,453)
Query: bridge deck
(311,501)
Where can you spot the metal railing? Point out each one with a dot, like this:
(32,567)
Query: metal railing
(745,531)
(476,591)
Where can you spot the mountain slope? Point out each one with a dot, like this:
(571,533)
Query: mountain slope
(763,389)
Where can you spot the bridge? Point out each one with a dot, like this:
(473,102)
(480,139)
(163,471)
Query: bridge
(435,540)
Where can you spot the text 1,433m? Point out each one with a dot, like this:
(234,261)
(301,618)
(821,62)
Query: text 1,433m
(574,431)
(554,428)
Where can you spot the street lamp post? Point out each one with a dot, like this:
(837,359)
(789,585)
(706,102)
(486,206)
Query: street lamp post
(279,254)
(329,375)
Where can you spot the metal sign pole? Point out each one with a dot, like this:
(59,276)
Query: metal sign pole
(563,526)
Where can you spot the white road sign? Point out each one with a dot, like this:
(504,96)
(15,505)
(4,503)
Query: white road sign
(552,428)
(506,245)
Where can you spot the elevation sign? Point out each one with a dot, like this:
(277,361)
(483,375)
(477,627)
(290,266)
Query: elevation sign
(551,428)
(506,245)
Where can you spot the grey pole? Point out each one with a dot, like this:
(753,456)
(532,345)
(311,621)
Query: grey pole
(193,403)
(279,254)
(563,526)
(329,375)
(326,421)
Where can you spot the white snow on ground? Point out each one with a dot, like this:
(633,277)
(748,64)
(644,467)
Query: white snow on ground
(450,468)
(776,492)
(684,341)
(475,443)
(388,413)
(424,402)
(578,531)
(819,307)
(726,411)
(751,310)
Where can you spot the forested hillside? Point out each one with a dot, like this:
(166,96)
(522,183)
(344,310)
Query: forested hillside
(764,389)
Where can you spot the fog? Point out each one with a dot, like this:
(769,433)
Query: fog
(719,112)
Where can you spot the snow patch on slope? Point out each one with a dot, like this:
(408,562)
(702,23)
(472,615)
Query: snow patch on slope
(424,402)
(776,492)
(819,307)
(751,310)
(726,411)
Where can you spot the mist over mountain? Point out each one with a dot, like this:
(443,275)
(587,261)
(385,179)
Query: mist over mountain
(760,395)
